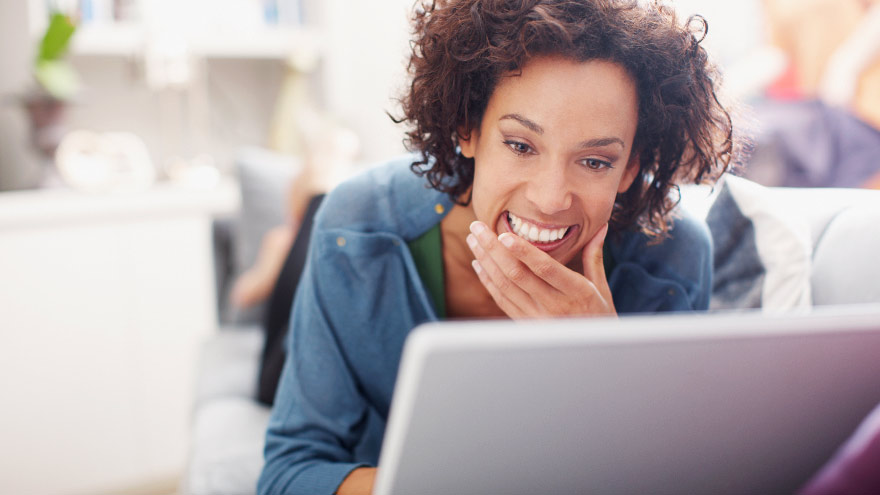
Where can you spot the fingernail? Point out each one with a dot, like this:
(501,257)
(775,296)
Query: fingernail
(477,227)
(477,267)
(471,241)
(506,239)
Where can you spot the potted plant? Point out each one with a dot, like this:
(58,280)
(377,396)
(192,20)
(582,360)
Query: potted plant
(56,84)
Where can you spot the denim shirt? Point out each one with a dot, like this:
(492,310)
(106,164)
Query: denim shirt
(360,295)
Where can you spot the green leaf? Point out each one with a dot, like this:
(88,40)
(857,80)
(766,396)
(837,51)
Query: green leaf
(57,38)
(58,78)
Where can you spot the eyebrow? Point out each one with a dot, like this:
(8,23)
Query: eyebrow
(590,143)
(524,121)
(600,142)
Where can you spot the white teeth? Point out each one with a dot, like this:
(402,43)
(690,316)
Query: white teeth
(533,233)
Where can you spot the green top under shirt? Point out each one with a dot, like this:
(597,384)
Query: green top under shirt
(427,253)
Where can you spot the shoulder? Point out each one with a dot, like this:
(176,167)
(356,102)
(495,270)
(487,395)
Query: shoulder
(387,197)
(689,237)
(679,264)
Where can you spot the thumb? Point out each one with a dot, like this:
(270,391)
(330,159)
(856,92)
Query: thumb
(593,257)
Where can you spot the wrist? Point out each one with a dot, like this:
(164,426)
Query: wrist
(358,482)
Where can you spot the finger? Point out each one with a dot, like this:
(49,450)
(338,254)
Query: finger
(506,305)
(542,265)
(594,265)
(508,265)
(512,292)
(593,256)
(574,293)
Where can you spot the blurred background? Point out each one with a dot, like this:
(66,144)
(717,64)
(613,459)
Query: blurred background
(157,156)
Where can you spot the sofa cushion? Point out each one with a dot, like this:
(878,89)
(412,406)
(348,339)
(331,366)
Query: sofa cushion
(229,364)
(762,249)
(227,450)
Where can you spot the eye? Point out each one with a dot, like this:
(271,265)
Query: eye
(518,147)
(595,164)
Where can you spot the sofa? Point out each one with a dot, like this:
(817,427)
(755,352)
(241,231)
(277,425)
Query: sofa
(776,249)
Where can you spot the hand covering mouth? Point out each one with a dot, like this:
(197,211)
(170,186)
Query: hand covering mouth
(534,233)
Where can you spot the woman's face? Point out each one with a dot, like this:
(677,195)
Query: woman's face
(552,152)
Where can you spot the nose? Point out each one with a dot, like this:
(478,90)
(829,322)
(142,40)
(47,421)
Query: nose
(549,188)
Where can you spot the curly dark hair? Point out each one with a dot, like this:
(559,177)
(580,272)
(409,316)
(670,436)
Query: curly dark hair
(463,47)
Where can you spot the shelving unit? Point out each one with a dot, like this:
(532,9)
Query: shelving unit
(110,39)
(200,37)
(129,39)
(268,43)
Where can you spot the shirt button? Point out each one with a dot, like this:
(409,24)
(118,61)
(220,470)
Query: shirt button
(340,241)
(671,292)
(439,209)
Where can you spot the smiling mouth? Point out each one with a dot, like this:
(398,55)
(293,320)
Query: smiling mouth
(534,233)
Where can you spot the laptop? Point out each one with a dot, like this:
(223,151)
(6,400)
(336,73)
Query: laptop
(711,403)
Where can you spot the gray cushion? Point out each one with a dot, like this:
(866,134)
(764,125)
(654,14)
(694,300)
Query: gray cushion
(739,274)
(264,178)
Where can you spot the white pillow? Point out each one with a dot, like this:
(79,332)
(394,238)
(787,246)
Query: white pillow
(763,249)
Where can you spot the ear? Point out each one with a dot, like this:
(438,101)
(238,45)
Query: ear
(466,141)
(629,175)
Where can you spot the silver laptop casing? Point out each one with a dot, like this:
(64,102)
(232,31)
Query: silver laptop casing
(719,403)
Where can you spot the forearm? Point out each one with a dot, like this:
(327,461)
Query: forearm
(358,482)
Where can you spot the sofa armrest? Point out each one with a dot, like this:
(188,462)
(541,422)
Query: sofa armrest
(845,265)
(845,242)
(820,206)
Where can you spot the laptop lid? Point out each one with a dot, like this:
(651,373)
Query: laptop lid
(711,403)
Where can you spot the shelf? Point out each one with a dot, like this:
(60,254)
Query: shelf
(45,208)
(268,43)
(108,39)
(256,43)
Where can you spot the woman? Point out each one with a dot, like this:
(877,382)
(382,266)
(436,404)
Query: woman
(544,127)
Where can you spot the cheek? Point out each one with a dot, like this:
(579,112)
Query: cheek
(486,199)
(597,214)
(597,204)
(491,188)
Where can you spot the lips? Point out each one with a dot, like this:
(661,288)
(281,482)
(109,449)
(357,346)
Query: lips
(543,236)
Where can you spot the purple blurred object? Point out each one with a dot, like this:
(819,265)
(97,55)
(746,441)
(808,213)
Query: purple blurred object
(855,468)
(810,144)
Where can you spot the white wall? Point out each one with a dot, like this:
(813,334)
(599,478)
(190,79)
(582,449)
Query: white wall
(364,68)
(736,28)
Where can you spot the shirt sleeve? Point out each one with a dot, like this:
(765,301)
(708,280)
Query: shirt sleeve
(319,412)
